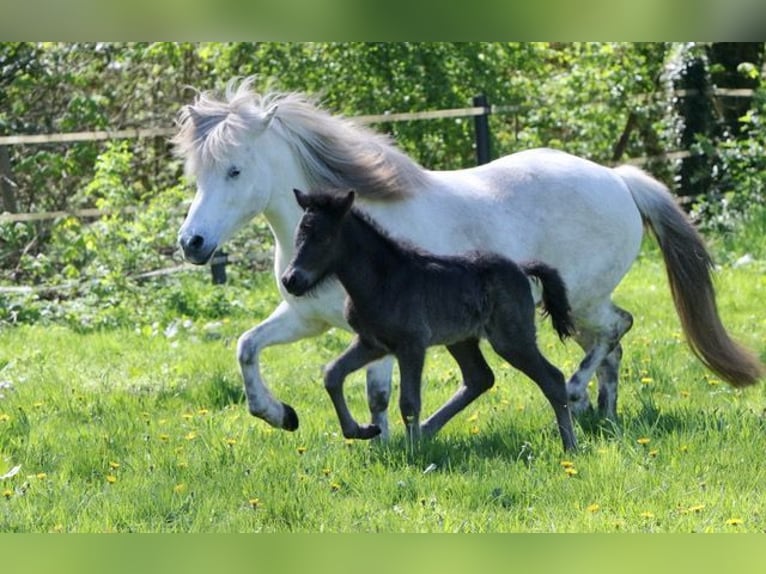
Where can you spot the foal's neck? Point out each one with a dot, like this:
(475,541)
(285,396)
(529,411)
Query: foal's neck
(369,258)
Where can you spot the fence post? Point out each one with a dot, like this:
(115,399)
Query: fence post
(481,124)
(8,195)
(218,267)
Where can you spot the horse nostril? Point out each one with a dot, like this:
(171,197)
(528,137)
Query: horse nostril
(196,242)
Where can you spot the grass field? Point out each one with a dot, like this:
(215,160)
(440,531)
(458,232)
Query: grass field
(146,430)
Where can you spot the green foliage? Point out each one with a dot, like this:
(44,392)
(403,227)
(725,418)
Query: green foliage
(581,97)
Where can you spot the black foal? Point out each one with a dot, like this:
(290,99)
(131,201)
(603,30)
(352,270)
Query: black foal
(402,300)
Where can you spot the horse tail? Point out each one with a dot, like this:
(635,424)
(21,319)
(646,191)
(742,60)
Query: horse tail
(555,300)
(689,268)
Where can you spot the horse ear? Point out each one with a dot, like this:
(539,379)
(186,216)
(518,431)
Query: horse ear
(301,198)
(193,114)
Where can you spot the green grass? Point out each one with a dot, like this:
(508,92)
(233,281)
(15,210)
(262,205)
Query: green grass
(135,431)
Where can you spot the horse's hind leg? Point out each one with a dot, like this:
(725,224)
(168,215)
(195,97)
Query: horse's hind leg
(477,378)
(608,375)
(357,355)
(600,342)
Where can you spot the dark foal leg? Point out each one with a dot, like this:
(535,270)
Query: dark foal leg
(411,371)
(477,378)
(357,355)
(522,353)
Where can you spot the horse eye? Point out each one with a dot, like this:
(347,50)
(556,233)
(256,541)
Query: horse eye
(233,172)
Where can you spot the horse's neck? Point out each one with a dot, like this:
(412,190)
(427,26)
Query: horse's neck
(283,214)
(368,259)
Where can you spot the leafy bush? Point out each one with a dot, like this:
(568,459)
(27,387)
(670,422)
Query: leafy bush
(735,209)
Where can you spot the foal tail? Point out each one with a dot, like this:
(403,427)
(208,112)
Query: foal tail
(555,300)
(689,267)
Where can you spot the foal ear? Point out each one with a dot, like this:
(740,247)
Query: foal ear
(345,203)
(301,198)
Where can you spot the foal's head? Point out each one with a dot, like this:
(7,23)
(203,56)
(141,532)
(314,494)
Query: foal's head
(316,240)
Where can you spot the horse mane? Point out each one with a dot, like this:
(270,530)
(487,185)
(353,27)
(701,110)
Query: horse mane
(333,151)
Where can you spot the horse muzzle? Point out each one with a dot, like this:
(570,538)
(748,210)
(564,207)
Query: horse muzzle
(196,249)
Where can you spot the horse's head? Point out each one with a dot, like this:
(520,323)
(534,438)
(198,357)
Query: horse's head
(317,244)
(232,155)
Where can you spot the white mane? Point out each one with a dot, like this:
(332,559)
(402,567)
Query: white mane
(333,151)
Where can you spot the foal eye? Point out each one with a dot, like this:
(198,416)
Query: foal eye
(233,172)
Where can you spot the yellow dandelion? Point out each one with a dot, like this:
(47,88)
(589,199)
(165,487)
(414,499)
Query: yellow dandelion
(349,441)
(4,418)
(684,448)
(695,508)
(301,449)
(231,441)
(647,514)
(646,380)
(164,437)
(37,405)
(685,394)
(187,416)
(570,471)
(567,463)
(202,412)
(334,486)
(473,418)
(179,488)
(593,507)
(41,475)
(191,436)
(474,430)
(653,452)
(7,493)
(734,521)
(111,479)
(326,471)
(643,440)
(114,465)
(254,502)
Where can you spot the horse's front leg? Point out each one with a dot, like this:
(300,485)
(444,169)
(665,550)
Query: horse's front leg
(379,376)
(358,354)
(411,372)
(284,325)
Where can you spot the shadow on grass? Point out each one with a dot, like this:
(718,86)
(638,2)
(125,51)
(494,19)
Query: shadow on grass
(651,420)
(508,444)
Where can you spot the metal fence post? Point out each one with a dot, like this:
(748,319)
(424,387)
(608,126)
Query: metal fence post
(481,124)
(218,267)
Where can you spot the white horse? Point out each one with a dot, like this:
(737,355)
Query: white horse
(248,152)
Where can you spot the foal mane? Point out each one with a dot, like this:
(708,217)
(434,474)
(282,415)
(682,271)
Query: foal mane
(332,150)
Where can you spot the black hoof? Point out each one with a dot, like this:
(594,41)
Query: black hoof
(367,432)
(290,418)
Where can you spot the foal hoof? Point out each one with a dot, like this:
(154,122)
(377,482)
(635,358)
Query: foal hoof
(289,418)
(363,432)
(367,432)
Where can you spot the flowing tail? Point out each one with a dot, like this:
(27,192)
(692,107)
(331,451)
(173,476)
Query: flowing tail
(689,267)
(555,300)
